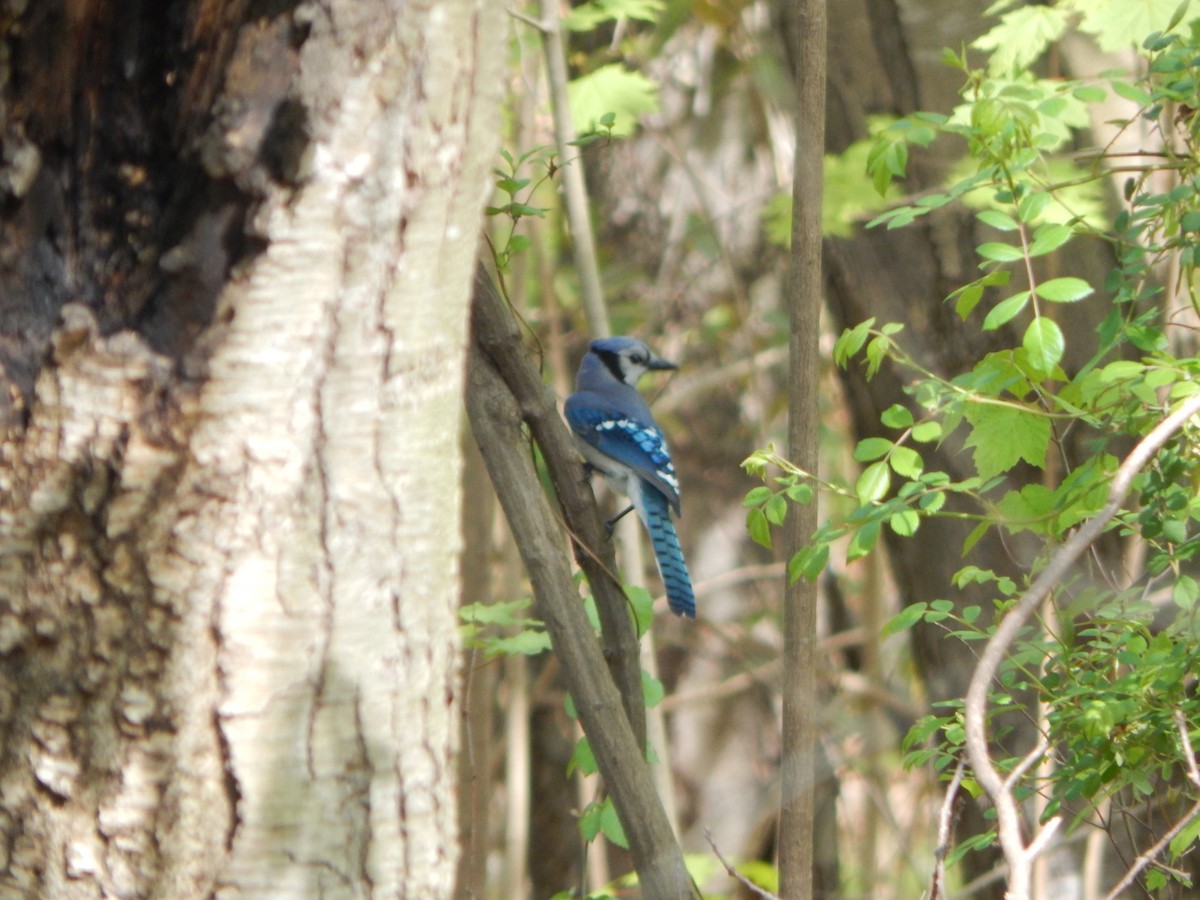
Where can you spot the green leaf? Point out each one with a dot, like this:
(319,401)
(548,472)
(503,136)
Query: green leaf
(1033,205)
(905,619)
(809,563)
(652,690)
(975,536)
(610,824)
(997,252)
(847,198)
(502,612)
(877,349)
(1027,509)
(851,341)
(862,541)
(1090,93)
(800,493)
(1185,838)
(1021,36)
(1118,24)
(776,509)
(1005,310)
(1121,370)
(589,822)
(582,758)
(1064,290)
(925,432)
(905,523)
(1044,344)
(931,502)
(642,603)
(1048,238)
(510,186)
(896,416)
(525,643)
(872,448)
(758,527)
(873,484)
(757,496)
(1002,436)
(1001,221)
(968,299)
(1185,592)
(897,218)
(906,462)
(611,88)
(1131,92)
(1176,17)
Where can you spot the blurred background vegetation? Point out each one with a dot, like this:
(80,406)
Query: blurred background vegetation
(686,111)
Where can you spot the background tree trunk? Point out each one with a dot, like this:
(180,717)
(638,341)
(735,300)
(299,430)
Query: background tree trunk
(238,247)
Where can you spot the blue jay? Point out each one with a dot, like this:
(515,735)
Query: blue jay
(619,438)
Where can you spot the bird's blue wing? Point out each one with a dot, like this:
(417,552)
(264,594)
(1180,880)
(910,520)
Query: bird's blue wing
(628,440)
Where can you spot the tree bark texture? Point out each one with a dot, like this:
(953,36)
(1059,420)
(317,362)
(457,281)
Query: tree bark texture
(799,804)
(238,246)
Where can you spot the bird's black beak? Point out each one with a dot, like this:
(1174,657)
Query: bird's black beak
(657,362)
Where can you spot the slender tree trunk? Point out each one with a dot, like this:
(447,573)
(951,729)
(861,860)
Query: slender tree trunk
(799,806)
(239,239)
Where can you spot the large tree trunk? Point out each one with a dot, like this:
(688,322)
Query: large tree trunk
(238,247)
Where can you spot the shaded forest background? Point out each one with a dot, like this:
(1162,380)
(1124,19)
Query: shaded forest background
(690,207)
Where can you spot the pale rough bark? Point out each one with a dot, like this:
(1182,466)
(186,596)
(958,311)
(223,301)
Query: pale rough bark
(229,604)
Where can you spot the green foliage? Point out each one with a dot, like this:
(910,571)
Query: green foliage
(594,13)
(1113,22)
(614,89)
(1022,36)
(1110,670)
(847,198)
(502,628)
(600,817)
(519,189)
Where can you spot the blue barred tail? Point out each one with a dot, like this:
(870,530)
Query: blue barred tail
(667,552)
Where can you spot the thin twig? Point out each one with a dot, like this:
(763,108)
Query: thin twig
(528,20)
(1043,838)
(1028,761)
(575,194)
(1148,857)
(1145,859)
(734,873)
(945,825)
(975,713)
(1188,755)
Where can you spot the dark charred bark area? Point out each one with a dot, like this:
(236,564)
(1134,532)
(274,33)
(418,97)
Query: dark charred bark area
(136,139)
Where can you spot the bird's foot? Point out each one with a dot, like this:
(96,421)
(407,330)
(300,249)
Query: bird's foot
(610,524)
